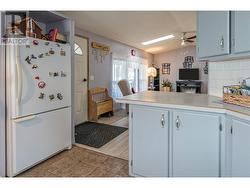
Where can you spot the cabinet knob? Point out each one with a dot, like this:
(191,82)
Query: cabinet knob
(162,121)
(177,122)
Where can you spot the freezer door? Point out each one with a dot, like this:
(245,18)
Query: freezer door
(35,138)
(39,76)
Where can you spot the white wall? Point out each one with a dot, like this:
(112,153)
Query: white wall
(2,105)
(226,73)
(102,72)
(176,59)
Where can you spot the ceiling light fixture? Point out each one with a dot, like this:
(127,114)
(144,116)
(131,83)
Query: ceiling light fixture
(183,43)
(158,39)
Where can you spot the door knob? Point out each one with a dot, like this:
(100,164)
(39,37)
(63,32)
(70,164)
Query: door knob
(84,80)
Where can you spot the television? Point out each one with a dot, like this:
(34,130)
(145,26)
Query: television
(188,74)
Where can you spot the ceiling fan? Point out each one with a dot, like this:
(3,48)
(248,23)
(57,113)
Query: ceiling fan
(186,39)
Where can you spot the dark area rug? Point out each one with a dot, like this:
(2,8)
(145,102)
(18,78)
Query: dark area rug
(96,134)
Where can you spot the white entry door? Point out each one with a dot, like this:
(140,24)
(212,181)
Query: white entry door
(81,82)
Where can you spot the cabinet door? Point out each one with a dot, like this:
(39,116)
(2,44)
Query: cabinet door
(240,148)
(195,144)
(150,142)
(240,31)
(213,33)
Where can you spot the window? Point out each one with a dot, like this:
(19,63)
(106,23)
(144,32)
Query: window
(134,70)
(78,50)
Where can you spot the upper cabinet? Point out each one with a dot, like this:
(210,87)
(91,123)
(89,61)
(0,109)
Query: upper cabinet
(240,32)
(213,33)
(223,35)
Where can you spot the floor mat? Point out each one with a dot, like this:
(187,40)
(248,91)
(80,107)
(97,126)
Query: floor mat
(96,134)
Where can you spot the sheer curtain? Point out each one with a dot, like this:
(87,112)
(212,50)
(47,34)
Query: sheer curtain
(133,69)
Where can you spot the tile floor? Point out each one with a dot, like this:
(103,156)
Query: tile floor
(86,161)
(80,162)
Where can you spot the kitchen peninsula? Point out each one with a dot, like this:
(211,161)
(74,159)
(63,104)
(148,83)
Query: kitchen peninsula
(187,135)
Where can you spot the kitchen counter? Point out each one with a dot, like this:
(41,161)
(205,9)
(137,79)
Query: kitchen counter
(201,102)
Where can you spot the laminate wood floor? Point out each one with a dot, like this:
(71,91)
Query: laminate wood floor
(80,162)
(118,147)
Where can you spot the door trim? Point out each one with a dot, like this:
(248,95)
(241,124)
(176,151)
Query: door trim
(81,36)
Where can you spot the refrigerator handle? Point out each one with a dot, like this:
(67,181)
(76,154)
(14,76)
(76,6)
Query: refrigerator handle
(24,119)
(19,76)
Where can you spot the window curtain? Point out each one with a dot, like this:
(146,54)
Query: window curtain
(133,69)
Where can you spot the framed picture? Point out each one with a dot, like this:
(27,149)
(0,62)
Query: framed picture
(166,68)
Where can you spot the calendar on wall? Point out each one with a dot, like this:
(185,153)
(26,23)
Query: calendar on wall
(166,68)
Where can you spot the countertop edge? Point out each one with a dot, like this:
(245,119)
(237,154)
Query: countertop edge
(186,107)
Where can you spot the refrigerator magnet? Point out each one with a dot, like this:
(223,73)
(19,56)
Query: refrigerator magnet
(40,56)
(46,43)
(33,57)
(35,42)
(51,97)
(34,66)
(62,52)
(59,96)
(37,78)
(63,74)
(51,51)
(28,59)
(41,96)
(56,74)
(41,84)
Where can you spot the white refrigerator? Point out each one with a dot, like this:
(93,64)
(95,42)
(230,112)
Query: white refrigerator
(38,84)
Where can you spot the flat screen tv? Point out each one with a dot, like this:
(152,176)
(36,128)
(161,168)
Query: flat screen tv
(188,74)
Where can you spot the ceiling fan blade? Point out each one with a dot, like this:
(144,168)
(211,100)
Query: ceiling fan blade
(187,40)
(193,37)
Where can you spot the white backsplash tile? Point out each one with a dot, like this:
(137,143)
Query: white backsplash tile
(226,73)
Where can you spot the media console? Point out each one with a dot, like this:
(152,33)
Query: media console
(188,86)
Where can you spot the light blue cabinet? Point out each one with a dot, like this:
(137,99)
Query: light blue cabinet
(213,36)
(149,142)
(195,144)
(240,32)
(240,148)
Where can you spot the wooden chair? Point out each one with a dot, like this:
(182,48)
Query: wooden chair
(99,102)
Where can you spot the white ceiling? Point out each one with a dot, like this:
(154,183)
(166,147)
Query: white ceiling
(133,28)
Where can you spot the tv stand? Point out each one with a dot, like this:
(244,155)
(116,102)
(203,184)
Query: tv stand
(188,86)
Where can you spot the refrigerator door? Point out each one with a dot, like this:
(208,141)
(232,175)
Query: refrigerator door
(39,76)
(37,137)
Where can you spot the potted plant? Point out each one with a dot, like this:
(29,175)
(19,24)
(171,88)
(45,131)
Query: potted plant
(166,85)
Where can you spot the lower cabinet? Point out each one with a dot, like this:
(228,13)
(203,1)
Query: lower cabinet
(149,147)
(195,144)
(183,143)
(240,148)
